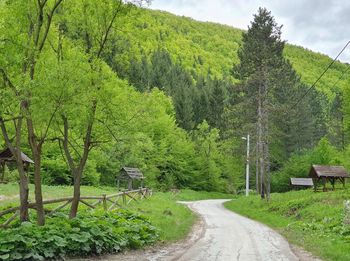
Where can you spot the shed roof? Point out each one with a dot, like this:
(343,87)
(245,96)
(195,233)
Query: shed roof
(6,155)
(301,181)
(328,171)
(133,173)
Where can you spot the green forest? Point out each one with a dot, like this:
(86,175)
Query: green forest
(137,87)
(129,86)
(88,87)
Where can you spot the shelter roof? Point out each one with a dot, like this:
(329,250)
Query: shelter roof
(7,156)
(329,171)
(301,181)
(133,173)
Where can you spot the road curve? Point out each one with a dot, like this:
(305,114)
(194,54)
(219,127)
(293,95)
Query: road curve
(220,235)
(229,236)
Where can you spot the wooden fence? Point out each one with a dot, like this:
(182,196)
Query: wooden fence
(108,202)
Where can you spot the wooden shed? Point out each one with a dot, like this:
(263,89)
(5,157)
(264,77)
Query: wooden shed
(320,173)
(301,182)
(129,175)
(6,156)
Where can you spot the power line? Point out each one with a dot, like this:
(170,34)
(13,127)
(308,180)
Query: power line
(319,78)
(341,77)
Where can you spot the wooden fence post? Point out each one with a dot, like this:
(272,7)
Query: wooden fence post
(124,198)
(104,202)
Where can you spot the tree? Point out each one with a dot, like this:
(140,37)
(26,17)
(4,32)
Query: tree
(20,75)
(217,100)
(261,57)
(91,24)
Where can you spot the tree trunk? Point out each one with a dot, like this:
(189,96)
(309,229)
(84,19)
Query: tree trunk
(77,174)
(23,178)
(265,135)
(260,143)
(2,178)
(36,151)
(37,186)
(267,171)
(257,177)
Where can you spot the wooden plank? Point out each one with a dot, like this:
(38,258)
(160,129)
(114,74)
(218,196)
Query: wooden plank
(13,217)
(131,198)
(302,182)
(86,203)
(113,205)
(60,207)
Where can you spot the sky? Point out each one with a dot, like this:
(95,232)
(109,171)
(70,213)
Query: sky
(319,25)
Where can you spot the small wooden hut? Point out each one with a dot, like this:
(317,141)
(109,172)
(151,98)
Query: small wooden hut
(6,157)
(129,175)
(298,183)
(320,173)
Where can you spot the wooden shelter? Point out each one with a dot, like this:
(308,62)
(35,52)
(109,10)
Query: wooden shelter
(129,175)
(320,173)
(6,156)
(301,182)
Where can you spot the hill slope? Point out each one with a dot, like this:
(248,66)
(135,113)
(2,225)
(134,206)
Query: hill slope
(203,46)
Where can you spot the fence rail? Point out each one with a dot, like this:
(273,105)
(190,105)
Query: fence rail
(108,202)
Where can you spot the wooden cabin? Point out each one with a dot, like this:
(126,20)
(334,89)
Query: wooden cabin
(129,175)
(6,157)
(323,174)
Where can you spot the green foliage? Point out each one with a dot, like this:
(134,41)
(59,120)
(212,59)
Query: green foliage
(298,165)
(172,220)
(90,233)
(311,220)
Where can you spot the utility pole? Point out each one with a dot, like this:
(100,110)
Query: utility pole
(247,166)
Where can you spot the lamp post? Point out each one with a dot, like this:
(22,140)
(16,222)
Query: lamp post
(247,167)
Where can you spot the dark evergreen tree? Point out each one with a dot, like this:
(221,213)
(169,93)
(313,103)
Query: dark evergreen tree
(268,82)
(161,65)
(217,99)
(201,101)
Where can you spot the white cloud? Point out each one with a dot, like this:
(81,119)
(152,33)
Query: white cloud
(319,25)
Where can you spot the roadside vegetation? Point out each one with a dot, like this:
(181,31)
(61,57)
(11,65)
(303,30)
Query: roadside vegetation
(158,218)
(313,221)
(90,233)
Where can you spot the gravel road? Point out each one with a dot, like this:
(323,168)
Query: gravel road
(229,236)
(223,236)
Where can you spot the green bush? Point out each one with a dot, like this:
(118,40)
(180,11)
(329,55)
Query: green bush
(90,233)
(298,165)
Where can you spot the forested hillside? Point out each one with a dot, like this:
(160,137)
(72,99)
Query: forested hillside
(101,87)
(193,63)
(204,46)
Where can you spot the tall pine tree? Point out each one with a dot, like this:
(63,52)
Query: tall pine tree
(268,82)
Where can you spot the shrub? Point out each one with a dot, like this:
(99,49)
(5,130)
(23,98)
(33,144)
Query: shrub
(90,233)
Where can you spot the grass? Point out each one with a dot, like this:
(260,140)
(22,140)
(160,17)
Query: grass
(311,220)
(10,191)
(173,220)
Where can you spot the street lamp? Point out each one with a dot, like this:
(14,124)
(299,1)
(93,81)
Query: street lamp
(247,167)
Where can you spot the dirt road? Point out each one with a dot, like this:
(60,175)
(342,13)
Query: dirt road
(229,236)
(223,236)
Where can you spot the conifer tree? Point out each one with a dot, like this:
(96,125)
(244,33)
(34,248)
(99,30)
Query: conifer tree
(261,60)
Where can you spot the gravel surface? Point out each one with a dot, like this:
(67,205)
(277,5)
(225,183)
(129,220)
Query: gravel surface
(223,236)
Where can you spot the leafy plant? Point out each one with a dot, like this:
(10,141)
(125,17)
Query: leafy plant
(89,233)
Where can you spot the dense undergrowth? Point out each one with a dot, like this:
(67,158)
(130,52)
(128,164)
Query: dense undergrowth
(311,220)
(90,233)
